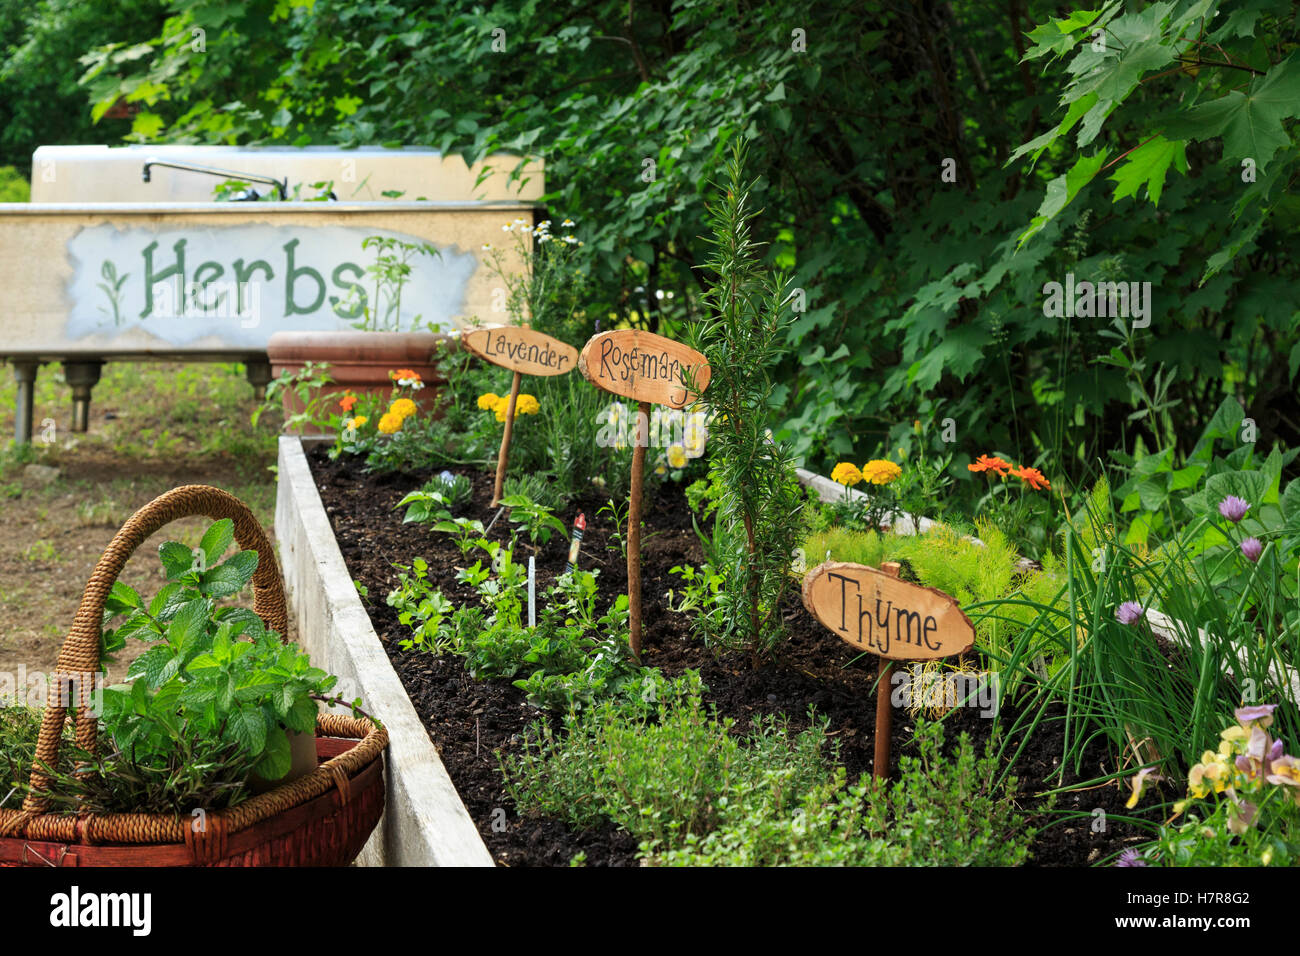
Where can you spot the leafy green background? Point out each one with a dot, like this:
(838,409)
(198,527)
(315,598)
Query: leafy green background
(923,290)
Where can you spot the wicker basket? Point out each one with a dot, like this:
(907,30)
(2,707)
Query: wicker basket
(321,819)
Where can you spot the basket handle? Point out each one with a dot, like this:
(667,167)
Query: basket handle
(79,661)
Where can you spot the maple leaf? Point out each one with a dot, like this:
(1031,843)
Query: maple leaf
(1148,164)
(1250,123)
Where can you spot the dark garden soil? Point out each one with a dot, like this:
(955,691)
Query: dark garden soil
(469,720)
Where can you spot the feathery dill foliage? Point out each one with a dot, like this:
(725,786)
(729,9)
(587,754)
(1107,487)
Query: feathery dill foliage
(758,515)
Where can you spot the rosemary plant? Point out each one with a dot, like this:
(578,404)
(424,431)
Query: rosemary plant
(742,335)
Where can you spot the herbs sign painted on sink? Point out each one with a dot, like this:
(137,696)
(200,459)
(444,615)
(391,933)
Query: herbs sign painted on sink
(885,616)
(525,352)
(876,612)
(652,370)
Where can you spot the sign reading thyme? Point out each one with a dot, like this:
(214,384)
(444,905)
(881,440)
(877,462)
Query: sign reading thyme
(643,366)
(878,613)
(521,349)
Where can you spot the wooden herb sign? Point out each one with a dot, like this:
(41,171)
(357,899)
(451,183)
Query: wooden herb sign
(525,352)
(874,611)
(649,369)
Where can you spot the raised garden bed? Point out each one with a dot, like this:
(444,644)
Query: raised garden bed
(470,721)
(424,823)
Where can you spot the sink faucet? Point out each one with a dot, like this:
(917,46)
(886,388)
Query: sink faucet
(281,186)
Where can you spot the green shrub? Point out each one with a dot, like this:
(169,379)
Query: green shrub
(13,186)
(939,812)
(570,658)
(659,764)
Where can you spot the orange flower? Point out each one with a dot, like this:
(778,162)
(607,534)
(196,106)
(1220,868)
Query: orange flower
(987,463)
(404,373)
(347,401)
(1032,477)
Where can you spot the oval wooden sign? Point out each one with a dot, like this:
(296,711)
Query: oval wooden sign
(887,617)
(642,366)
(521,349)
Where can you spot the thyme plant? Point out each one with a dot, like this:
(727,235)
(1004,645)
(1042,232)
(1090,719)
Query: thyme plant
(741,334)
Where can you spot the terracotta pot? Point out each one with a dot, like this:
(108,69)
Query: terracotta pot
(359,362)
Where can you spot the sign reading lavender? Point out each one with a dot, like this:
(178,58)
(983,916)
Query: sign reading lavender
(242,283)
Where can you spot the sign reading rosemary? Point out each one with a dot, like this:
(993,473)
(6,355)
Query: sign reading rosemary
(652,370)
(643,366)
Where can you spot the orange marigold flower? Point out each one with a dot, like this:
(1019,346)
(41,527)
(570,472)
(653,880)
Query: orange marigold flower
(991,463)
(347,401)
(1032,477)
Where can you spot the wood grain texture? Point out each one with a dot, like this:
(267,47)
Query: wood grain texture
(521,349)
(643,366)
(882,615)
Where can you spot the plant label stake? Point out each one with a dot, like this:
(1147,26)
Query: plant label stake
(532,592)
(525,352)
(649,369)
(579,526)
(874,611)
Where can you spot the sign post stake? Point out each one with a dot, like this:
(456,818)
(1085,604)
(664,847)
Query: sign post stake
(634,528)
(884,709)
(504,454)
(650,370)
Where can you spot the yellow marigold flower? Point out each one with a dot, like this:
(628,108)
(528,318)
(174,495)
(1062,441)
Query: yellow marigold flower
(527,404)
(403,407)
(846,473)
(488,401)
(880,471)
(677,456)
(356,422)
(390,423)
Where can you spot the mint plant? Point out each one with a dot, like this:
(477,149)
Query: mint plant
(213,673)
(536,519)
(572,656)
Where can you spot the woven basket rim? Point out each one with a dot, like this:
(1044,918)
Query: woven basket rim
(165,828)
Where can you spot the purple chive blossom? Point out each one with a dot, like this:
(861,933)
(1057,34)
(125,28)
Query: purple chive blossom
(1234,508)
(1130,858)
(1130,612)
(1248,715)
(1252,549)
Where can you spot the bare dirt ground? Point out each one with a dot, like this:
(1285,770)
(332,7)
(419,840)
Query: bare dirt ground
(152,428)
